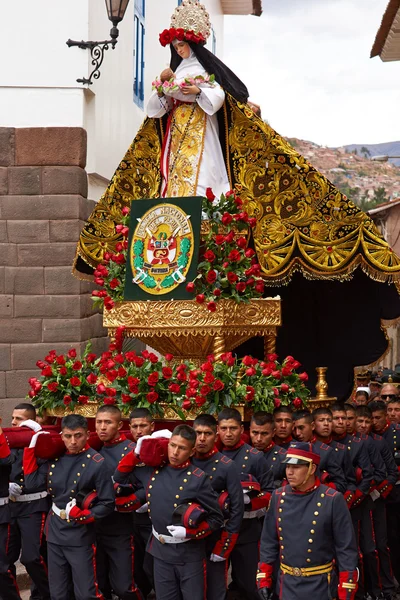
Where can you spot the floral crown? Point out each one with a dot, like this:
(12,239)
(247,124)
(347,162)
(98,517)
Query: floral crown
(169,35)
(190,23)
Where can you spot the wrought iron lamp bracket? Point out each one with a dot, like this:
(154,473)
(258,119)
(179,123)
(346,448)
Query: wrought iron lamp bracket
(97,50)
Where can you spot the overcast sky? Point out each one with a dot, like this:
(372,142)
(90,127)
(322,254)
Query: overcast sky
(307,63)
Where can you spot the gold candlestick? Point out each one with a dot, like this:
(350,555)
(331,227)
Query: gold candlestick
(322,398)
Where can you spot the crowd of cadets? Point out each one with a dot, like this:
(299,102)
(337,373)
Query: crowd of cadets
(330,480)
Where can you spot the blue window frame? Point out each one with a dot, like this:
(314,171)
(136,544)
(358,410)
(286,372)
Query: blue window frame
(138,52)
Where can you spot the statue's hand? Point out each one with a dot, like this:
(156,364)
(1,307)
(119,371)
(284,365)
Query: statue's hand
(167,74)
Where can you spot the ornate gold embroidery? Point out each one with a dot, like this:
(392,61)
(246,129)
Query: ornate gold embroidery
(186,145)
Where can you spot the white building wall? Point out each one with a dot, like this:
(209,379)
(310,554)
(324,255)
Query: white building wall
(38,85)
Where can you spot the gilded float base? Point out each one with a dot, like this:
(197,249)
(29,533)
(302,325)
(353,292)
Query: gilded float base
(88,410)
(314,403)
(188,330)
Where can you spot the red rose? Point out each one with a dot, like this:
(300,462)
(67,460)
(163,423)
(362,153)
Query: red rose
(241,287)
(230,237)
(219,239)
(276,391)
(303,376)
(111,392)
(276,374)
(249,252)
(228,359)
(40,364)
(190,287)
(165,38)
(63,371)
(295,364)
(250,282)
(200,298)
(72,353)
(151,397)
(272,357)
(207,366)
(47,371)
(218,385)
(139,361)
(168,357)
(212,307)
(217,292)
(247,361)
(250,393)
(232,277)
(204,390)
(226,218)
(91,357)
(91,378)
(210,195)
(180,34)
(286,371)
(297,403)
(125,398)
(83,399)
(241,242)
(277,402)
(122,372)
(109,400)
(209,256)
(114,283)
(200,400)
(174,388)
(250,372)
(284,387)
(181,376)
(186,405)
(209,377)
(101,388)
(108,303)
(52,386)
(167,372)
(152,379)
(153,358)
(252,221)
(67,400)
(259,287)
(112,375)
(126,210)
(234,256)
(211,276)
(75,381)
(77,366)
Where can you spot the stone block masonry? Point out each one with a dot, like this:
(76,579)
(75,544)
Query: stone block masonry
(43,206)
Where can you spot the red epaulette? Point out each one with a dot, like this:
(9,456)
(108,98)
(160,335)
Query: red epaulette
(282,451)
(254,451)
(331,492)
(225,459)
(324,446)
(198,472)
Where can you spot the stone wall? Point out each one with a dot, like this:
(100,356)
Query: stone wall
(43,206)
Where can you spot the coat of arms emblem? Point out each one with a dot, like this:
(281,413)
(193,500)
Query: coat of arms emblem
(162,249)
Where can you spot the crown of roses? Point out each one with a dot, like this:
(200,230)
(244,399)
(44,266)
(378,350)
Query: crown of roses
(169,35)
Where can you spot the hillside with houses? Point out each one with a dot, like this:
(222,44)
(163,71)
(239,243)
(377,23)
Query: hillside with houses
(366,182)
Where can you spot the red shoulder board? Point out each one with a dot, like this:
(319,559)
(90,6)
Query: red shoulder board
(331,492)
(225,459)
(131,445)
(324,446)
(356,439)
(375,436)
(282,451)
(97,457)
(254,451)
(198,472)
(340,446)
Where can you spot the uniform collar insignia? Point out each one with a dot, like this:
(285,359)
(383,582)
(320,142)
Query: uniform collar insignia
(205,456)
(121,438)
(236,446)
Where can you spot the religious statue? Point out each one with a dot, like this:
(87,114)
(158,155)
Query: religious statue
(201,132)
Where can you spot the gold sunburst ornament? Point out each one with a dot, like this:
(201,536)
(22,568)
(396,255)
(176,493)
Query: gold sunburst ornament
(190,23)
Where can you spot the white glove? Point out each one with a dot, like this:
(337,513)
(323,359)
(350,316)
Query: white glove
(139,443)
(69,507)
(14,489)
(35,437)
(177,531)
(142,509)
(216,558)
(375,495)
(31,424)
(163,433)
(246,498)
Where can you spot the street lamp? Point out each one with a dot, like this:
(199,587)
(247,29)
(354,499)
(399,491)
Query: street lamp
(383,157)
(116,11)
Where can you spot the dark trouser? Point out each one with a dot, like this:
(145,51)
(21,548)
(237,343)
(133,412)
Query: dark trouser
(180,581)
(381,537)
(244,561)
(144,576)
(72,566)
(365,536)
(393,531)
(27,537)
(8,585)
(217,575)
(115,563)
